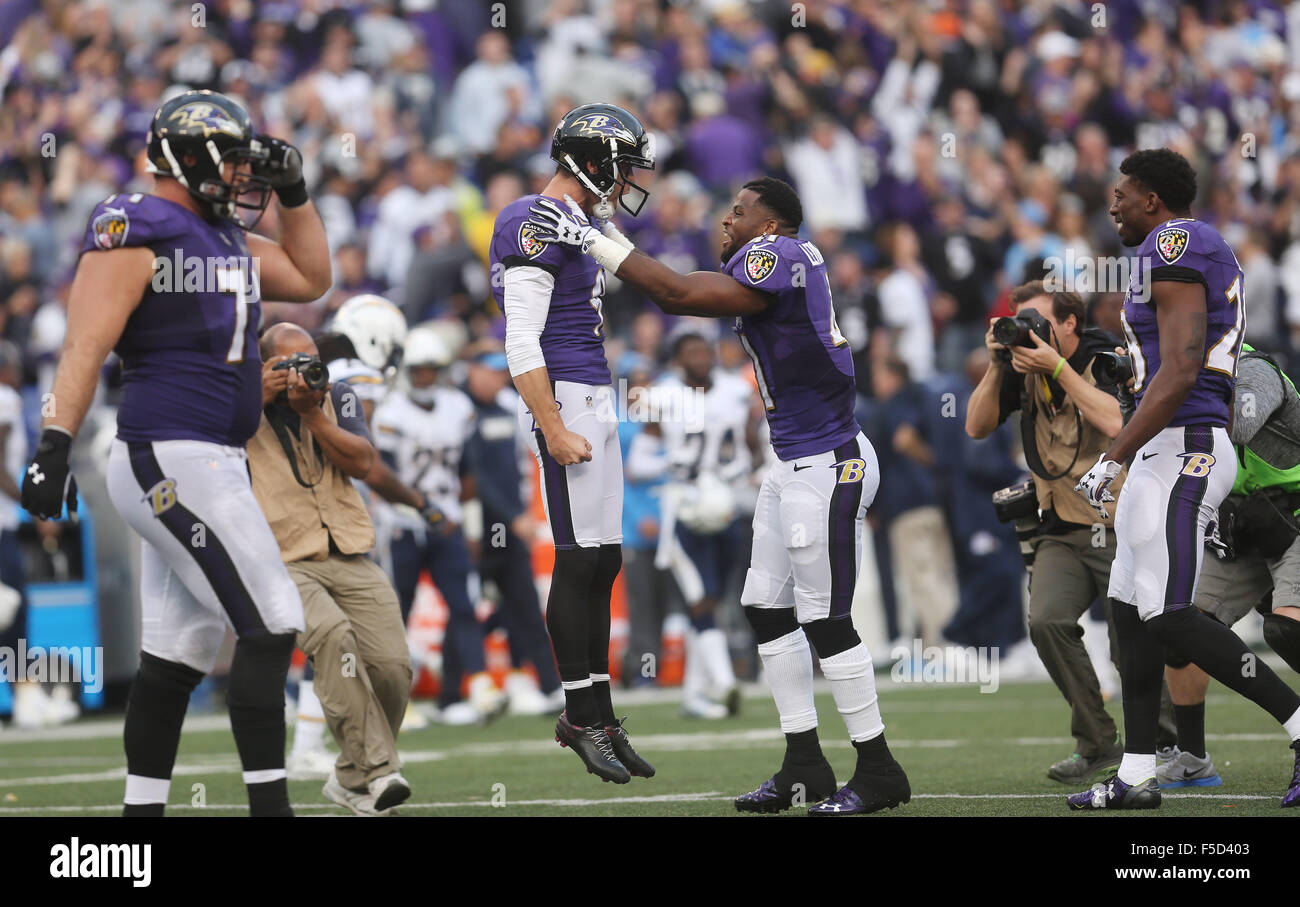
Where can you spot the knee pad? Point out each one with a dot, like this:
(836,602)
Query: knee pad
(609,561)
(770,623)
(831,636)
(1283,636)
(1174,660)
(169,675)
(258,671)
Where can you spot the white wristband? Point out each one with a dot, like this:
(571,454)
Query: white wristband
(608,253)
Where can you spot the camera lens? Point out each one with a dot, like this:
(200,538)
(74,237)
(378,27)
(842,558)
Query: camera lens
(1006,331)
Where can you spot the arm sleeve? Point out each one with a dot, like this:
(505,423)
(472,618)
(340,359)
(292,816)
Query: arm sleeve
(527,303)
(1258,395)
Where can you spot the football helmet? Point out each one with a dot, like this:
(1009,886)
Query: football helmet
(377,330)
(708,505)
(613,141)
(425,348)
(193,135)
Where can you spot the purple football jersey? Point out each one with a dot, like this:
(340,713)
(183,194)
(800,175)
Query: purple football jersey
(1190,251)
(803,364)
(190,364)
(573,341)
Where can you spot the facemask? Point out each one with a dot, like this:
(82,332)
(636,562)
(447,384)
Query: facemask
(424,396)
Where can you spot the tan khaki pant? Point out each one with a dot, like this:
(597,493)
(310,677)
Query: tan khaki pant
(925,574)
(357,644)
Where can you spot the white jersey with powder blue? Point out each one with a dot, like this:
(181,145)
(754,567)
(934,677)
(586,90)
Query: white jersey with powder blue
(426,444)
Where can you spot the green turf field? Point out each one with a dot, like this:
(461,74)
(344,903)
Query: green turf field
(966,753)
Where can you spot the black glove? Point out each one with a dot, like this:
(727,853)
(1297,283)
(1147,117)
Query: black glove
(283,169)
(48,482)
(435,518)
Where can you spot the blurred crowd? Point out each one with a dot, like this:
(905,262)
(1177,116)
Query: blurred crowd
(945,151)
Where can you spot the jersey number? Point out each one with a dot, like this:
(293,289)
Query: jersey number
(598,300)
(1135,355)
(1222,357)
(231,280)
(815,258)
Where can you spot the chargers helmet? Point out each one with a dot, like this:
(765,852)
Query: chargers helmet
(193,135)
(611,139)
(377,330)
(707,505)
(424,347)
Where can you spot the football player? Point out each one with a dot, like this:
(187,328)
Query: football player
(555,346)
(811,506)
(704,434)
(1184,321)
(191,398)
(421,433)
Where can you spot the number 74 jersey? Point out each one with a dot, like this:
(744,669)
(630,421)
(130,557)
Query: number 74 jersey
(803,364)
(1188,251)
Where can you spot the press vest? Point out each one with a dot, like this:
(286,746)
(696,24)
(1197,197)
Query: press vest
(304,520)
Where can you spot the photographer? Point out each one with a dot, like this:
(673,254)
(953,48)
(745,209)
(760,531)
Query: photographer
(1261,566)
(1066,422)
(312,440)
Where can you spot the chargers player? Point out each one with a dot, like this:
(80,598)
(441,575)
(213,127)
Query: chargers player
(704,432)
(192,379)
(808,520)
(422,434)
(1184,321)
(555,346)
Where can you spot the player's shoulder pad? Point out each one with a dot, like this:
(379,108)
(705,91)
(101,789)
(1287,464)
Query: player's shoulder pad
(515,242)
(770,262)
(124,220)
(1170,242)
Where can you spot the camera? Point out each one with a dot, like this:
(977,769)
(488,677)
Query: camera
(1112,369)
(1018,504)
(313,371)
(1015,331)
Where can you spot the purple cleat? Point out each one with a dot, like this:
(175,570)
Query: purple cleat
(1292,796)
(1115,794)
(871,794)
(773,796)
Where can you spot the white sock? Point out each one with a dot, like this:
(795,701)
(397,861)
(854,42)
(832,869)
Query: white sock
(1292,725)
(787,664)
(854,687)
(694,675)
(1135,768)
(713,652)
(309,732)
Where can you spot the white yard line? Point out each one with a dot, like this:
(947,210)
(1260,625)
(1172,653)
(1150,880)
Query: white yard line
(576,803)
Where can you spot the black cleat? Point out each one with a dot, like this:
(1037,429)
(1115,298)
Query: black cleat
(1115,794)
(594,748)
(811,784)
(630,758)
(885,788)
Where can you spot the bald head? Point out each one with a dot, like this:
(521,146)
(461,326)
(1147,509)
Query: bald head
(285,339)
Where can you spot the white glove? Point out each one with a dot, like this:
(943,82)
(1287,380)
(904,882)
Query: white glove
(570,228)
(1095,484)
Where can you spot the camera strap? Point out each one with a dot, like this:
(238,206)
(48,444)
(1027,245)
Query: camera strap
(1028,411)
(282,435)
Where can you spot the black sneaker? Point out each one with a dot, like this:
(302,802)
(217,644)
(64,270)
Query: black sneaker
(1076,769)
(816,783)
(1292,796)
(594,748)
(630,758)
